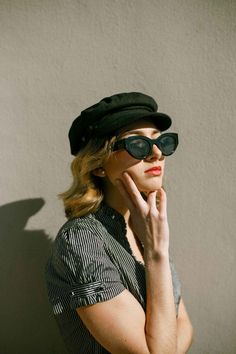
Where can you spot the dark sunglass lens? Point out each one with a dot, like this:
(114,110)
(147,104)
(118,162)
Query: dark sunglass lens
(167,145)
(139,148)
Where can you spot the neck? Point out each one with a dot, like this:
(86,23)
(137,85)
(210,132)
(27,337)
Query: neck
(118,206)
(114,199)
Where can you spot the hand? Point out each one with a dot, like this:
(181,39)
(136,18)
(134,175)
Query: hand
(148,222)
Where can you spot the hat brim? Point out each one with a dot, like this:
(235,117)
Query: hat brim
(114,122)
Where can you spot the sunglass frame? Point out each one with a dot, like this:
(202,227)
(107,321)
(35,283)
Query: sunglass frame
(124,144)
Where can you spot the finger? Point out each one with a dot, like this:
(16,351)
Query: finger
(163,203)
(152,200)
(133,191)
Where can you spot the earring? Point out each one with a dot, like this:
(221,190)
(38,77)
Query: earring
(102,171)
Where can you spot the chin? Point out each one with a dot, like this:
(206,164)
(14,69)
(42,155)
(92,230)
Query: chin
(150,186)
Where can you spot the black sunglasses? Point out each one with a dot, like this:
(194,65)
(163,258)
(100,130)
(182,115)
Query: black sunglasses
(140,146)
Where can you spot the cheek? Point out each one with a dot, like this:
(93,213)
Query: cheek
(115,166)
(118,163)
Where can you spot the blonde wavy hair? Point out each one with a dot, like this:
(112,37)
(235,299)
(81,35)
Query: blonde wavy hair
(86,191)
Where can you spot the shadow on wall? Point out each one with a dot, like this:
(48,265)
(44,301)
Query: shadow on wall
(27,324)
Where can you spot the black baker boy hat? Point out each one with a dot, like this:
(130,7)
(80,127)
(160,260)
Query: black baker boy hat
(112,113)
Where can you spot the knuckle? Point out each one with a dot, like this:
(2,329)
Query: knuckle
(143,215)
(152,214)
(162,216)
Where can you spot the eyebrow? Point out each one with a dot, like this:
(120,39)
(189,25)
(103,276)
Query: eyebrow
(139,132)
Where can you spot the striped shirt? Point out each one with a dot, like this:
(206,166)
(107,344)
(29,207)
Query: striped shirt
(91,261)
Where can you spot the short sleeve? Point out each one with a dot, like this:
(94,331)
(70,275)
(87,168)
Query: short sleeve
(80,271)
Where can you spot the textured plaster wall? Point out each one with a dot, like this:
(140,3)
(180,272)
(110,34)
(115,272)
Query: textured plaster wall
(59,56)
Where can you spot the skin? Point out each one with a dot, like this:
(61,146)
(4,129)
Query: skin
(130,329)
(121,161)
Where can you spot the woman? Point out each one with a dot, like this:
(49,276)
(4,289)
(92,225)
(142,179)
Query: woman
(111,282)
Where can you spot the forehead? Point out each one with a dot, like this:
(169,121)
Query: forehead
(140,124)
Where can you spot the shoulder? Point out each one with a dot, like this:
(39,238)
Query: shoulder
(78,243)
(80,227)
(80,235)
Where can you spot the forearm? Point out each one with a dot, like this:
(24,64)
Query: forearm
(184,336)
(161,325)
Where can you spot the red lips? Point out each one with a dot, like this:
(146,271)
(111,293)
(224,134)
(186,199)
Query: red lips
(156,168)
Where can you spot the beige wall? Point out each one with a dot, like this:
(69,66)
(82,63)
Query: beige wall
(59,56)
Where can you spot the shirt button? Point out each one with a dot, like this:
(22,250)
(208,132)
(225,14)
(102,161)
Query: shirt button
(113,217)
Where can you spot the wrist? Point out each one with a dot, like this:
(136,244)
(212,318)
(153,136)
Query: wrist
(155,255)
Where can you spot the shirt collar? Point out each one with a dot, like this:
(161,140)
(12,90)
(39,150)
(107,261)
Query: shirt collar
(113,221)
(115,224)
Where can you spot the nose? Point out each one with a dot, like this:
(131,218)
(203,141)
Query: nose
(156,154)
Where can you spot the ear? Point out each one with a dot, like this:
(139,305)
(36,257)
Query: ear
(99,172)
